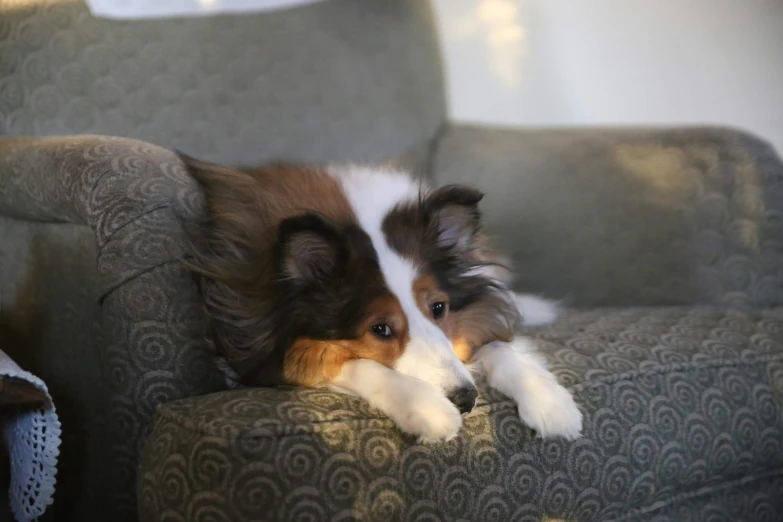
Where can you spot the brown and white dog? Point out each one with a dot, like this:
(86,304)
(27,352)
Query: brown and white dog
(364,281)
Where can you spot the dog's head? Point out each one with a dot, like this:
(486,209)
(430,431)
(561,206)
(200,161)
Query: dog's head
(305,269)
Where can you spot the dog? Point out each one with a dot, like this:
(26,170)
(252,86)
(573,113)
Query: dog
(368,282)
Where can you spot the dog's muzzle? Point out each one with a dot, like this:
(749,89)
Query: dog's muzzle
(464,398)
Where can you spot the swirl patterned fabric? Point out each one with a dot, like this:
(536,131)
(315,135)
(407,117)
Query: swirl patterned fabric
(684,415)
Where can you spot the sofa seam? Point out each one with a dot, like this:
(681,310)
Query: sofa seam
(316,426)
(132,220)
(106,291)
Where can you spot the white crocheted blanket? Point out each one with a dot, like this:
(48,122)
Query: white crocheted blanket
(33,441)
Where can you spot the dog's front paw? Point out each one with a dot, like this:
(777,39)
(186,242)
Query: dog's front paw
(547,407)
(423,411)
(517,370)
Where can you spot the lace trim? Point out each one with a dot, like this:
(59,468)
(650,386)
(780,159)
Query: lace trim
(33,442)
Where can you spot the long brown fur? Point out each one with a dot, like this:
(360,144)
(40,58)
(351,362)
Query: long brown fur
(236,247)
(236,256)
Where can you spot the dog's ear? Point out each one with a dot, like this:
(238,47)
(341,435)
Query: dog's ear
(310,249)
(453,212)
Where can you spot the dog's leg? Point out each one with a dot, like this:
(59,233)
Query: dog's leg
(518,371)
(414,405)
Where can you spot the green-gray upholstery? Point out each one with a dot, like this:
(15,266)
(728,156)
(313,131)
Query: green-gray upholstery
(340,79)
(667,244)
(630,217)
(682,407)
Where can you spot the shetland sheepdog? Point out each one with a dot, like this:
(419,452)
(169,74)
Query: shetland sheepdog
(365,281)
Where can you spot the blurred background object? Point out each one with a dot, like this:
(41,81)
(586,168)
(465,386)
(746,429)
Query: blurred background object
(138,9)
(615,62)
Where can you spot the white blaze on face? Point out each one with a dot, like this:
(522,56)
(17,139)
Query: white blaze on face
(429,355)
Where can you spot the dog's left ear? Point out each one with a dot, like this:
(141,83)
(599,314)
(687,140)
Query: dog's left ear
(454,211)
(310,249)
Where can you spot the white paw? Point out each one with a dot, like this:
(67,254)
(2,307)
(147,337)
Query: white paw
(548,407)
(423,411)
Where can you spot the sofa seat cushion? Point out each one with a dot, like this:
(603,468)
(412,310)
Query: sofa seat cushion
(683,409)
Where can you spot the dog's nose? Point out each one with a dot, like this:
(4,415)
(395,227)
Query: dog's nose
(464,398)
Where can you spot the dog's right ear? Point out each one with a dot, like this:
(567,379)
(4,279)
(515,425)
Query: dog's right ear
(453,211)
(309,249)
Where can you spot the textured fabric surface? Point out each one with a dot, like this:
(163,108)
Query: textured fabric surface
(742,501)
(150,345)
(338,80)
(620,217)
(683,411)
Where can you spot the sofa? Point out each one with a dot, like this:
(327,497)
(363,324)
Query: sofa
(665,247)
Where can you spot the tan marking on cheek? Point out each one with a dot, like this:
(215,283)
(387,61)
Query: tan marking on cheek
(463,349)
(483,322)
(310,362)
(384,352)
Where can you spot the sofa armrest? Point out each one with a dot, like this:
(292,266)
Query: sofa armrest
(629,217)
(132,195)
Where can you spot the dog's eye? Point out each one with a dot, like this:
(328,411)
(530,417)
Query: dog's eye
(438,309)
(383,331)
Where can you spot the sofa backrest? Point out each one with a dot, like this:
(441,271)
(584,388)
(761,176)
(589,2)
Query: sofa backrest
(333,81)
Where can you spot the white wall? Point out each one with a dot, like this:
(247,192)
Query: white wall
(616,62)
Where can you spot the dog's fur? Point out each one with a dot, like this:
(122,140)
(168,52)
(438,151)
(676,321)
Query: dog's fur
(366,281)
